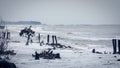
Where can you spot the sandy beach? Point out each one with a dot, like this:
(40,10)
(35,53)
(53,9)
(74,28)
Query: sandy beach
(79,56)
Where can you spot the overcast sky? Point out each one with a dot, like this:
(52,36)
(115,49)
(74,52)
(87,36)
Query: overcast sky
(62,11)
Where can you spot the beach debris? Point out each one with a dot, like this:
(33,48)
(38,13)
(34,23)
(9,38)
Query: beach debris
(99,57)
(105,52)
(8,52)
(115,56)
(97,52)
(47,54)
(55,43)
(110,52)
(118,59)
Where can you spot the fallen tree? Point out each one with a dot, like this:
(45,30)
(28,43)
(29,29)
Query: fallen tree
(46,54)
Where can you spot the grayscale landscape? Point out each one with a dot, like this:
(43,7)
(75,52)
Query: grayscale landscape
(59,34)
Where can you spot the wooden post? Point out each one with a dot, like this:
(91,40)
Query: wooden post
(114,46)
(3,34)
(55,39)
(119,46)
(39,37)
(8,35)
(48,39)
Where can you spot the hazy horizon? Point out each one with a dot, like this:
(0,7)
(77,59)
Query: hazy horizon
(93,12)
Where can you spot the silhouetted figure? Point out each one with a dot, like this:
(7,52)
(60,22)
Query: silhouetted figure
(119,46)
(93,51)
(114,46)
(37,56)
(48,39)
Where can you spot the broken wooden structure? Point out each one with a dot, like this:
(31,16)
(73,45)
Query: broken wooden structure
(55,43)
(46,54)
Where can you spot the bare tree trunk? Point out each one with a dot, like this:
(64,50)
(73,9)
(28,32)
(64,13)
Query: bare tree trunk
(28,38)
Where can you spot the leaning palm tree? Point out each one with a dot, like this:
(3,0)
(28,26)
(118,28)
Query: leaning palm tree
(28,33)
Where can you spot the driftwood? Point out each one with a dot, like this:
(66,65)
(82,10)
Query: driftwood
(97,52)
(118,59)
(46,55)
(55,43)
(58,45)
(8,52)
